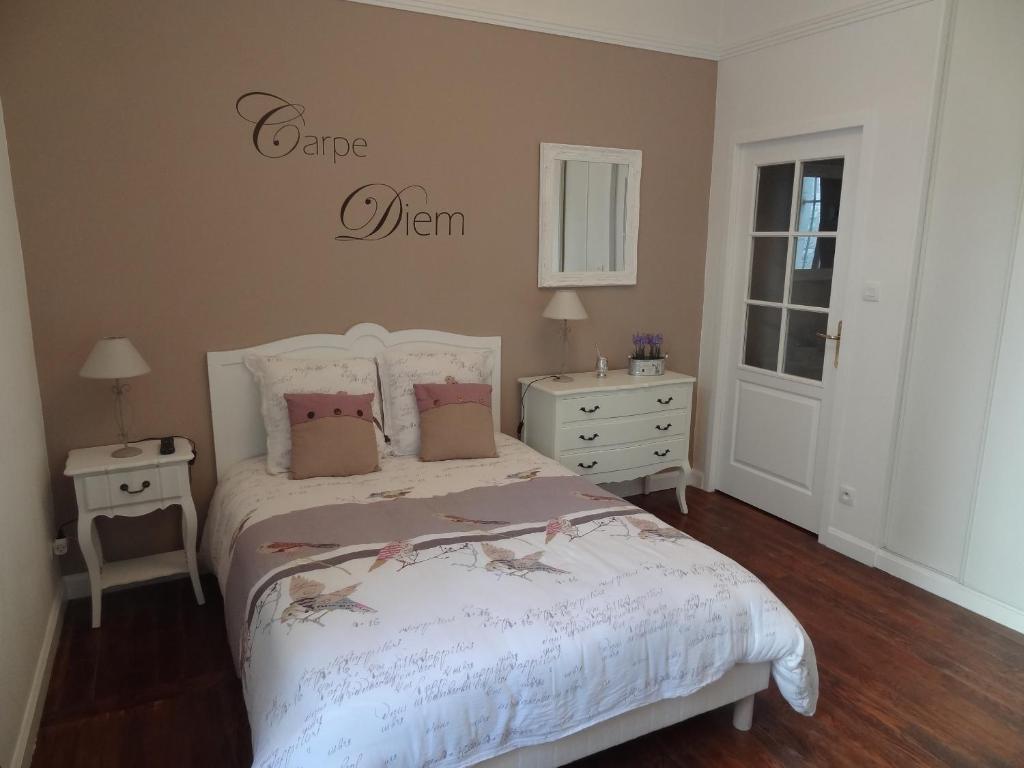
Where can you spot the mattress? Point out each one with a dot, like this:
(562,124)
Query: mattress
(442,614)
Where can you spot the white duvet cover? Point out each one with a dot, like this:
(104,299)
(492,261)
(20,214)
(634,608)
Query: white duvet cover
(440,614)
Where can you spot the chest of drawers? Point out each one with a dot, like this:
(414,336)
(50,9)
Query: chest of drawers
(611,429)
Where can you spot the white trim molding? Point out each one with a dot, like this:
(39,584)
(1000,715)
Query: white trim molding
(714,50)
(923,577)
(692,48)
(29,730)
(815,25)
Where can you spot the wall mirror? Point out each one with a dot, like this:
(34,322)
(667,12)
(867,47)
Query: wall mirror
(589,215)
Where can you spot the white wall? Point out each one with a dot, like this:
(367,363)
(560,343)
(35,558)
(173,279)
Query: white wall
(955,350)
(29,585)
(882,73)
(995,565)
(930,429)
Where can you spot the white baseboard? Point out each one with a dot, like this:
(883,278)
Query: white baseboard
(921,576)
(662,481)
(26,743)
(76,585)
(945,587)
(848,545)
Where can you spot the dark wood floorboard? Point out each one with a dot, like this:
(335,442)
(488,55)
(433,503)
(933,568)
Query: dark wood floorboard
(907,679)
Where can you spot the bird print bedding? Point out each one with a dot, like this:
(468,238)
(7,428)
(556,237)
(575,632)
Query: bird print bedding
(441,614)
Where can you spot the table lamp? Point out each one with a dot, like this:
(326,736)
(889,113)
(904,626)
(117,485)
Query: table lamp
(565,306)
(115,357)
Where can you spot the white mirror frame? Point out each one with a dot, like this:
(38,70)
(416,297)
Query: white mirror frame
(548,275)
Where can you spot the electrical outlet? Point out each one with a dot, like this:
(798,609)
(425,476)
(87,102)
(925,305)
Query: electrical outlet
(847,495)
(60,546)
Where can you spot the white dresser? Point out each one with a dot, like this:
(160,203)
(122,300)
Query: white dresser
(611,429)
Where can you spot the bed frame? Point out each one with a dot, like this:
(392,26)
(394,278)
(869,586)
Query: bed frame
(238,434)
(235,399)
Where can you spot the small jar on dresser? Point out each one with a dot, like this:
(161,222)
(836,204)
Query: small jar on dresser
(106,486)
(612,428)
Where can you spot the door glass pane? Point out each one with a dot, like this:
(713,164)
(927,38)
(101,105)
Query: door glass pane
(813,259)
(774,197)
(768,268)
(761,348)
(805,352)
(821,185)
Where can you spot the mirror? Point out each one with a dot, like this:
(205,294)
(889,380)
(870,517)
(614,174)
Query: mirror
(589,215)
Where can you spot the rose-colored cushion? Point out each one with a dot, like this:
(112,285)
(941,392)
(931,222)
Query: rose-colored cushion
(332,435)
(455,421)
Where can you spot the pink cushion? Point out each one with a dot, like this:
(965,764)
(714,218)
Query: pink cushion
(455,421)
(332,435)
(316,405)
(435,395)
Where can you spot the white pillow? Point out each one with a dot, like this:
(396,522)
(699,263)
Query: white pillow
(403,367)
(277,376)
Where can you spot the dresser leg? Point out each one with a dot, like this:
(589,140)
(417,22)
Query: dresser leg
(681,492)
(188,535)
(88,542)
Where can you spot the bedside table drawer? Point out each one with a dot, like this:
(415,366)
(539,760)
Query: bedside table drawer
(134,486)
(626,457)
(629,402)
(627,429)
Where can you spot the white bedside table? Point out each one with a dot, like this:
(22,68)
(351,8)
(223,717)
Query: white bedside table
(612,428)
(109,487)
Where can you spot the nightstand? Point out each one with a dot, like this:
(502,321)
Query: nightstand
(131,487)
(612,428)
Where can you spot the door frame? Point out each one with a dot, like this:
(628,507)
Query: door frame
(721,294)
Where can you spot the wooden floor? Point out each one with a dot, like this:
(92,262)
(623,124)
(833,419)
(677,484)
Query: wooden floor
(906,678)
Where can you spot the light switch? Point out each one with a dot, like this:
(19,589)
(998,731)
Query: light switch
(870,292)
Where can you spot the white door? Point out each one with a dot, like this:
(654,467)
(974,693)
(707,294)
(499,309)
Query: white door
(794,219)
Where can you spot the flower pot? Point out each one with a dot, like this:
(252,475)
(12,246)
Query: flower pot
(654,367)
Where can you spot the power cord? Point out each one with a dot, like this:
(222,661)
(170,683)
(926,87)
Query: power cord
(522,404)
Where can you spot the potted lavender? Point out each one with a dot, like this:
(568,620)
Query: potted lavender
(647,358)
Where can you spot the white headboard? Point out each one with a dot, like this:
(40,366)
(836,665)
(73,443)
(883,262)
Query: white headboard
(234,397)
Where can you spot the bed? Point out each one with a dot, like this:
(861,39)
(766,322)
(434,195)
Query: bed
(500,612)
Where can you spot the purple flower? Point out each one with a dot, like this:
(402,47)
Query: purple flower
(638,339)
(658,338)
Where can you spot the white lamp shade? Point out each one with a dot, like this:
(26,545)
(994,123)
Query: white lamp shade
(114,357)
(565,305)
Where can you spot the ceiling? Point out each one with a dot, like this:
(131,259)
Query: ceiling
(709,29)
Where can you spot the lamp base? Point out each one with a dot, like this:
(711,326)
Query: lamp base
(126,451)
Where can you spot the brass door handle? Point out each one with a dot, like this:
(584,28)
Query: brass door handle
(838,339)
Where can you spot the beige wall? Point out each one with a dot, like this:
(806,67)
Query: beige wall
(146,211)
(28,577)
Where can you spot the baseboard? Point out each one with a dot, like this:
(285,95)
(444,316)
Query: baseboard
(949,589)
(26,743)
(76,585)
(848,545)
(663,481)
(921,576)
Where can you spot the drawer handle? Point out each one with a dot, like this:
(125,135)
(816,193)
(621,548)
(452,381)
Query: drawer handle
(591,465)
(590,410)
(664,402)
(145,485)
(663,429)
(588,439)
(666,452)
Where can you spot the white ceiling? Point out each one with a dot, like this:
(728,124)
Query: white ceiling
(710,29)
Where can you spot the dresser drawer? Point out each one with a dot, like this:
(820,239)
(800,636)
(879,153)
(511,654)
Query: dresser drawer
(627,402)
(627,457)
(626,429)
(135,486)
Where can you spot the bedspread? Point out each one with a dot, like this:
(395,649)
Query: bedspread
(442,621)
